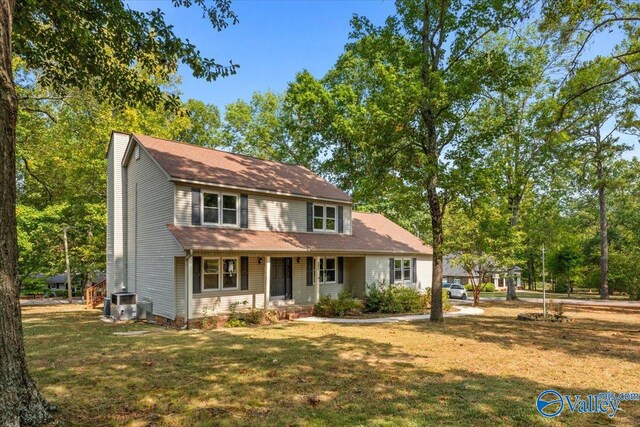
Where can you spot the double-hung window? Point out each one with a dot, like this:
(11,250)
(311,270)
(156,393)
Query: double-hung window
(401,270)
(328,270)
(211,274)
(210,207)
(324,218)
(219,274)
(219,208)
(229,273)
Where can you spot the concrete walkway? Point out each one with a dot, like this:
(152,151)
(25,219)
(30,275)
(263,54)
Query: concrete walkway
(461,311)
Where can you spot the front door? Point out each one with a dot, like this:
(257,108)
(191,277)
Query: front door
(281,277)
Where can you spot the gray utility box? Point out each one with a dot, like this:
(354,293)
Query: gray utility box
(124,306)
(145,310)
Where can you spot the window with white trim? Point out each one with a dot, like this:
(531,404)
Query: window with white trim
(325,218)
(219,208)
(229,273)
(330,271)
(219,274)
(210,206)
(229,209)
(211,274)
(401,270)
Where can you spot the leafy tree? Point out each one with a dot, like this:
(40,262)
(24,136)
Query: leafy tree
(595,120)
(103,48)
(564,264)
(399,95)
(511,122)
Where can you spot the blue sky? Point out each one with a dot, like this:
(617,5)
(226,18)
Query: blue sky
(272,42)
(276,39)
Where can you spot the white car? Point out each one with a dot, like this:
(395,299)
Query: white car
(457,291)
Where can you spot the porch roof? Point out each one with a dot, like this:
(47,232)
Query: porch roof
(371,233)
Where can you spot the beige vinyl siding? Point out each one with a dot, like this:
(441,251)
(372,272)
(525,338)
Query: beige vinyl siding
(277,214)
(150,246)
(347,219)
(179,276)
(221,300)
(425,272)
(115,244)
(357,282)
(183,205)
(377,269)
(266,213)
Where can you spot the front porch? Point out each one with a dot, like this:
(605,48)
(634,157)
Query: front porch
(209,283)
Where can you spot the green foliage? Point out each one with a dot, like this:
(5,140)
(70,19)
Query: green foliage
(110,50)
(484,287)
(61,169)
(235,319)
(344,305)
(384,298)
(446,304)
(564,265)
(33,286)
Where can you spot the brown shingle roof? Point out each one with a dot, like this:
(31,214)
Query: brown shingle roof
(371,233)
(193,163)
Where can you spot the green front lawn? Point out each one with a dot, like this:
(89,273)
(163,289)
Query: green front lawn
(484,370)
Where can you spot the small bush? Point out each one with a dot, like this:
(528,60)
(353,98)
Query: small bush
(485,287)
(384,298)
(343,305)
(235,320)
(446,304)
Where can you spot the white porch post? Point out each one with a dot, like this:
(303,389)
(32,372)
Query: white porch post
(518,280)
(316,280)
(504,282)
(189,282)
(267,281)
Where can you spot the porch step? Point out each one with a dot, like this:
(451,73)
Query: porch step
(294,312)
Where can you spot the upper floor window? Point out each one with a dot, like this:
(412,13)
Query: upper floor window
(324,218)
(219,208)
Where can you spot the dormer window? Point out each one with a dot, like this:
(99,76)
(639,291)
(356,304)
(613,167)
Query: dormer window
(219,209)
(324,218)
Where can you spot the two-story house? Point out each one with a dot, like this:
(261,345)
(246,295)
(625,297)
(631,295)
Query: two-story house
(191,228)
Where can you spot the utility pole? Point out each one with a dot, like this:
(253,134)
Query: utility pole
(66,256)
(544,288)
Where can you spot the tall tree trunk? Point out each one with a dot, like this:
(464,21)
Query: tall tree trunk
(532,274)
(438,238)
(514,202)
(20,401)
(604,243)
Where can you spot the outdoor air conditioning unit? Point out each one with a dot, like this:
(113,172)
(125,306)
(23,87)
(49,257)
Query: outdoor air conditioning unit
(124,306)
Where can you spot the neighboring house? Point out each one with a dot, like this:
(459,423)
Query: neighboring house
(59,281)
(452,273)
(191,229)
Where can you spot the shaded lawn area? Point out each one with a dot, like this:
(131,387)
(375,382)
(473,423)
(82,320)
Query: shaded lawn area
(484,370)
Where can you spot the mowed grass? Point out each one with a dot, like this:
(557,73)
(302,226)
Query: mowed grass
(485,370)
(554,295)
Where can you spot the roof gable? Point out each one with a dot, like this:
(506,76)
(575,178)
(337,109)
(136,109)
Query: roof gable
(191,163)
